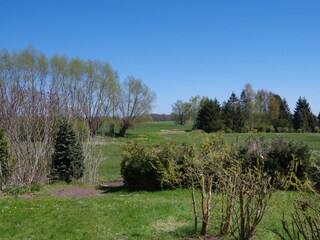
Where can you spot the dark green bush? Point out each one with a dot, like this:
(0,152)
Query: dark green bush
(67,159)
(277,157)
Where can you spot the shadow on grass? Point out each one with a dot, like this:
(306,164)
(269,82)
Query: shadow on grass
(111,189)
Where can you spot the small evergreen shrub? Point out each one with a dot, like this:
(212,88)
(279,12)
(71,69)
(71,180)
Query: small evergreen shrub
(67,159)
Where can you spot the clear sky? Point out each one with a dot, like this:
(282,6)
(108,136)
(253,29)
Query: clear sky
(181,48)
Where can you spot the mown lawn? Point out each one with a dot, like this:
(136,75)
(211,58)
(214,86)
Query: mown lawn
(118,215)
(129,215)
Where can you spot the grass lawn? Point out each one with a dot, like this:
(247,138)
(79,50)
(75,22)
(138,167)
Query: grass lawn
(129,215)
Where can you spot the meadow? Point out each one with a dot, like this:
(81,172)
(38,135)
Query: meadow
(123,214)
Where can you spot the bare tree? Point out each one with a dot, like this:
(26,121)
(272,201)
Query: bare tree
(27,108)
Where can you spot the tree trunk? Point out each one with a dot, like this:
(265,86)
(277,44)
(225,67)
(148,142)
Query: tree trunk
(123,130)
(111,130)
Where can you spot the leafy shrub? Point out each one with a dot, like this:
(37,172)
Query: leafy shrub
(229,130)
(279,129)
(316,129)
(285,129)
(67,159)
(151,168)
(278,157)
(299,130)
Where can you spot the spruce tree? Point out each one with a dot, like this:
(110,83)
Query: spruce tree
(209,116)
(303,118)
(67,159)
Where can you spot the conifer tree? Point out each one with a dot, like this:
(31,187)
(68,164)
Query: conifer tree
(303,118)
(209,116)
(67,159)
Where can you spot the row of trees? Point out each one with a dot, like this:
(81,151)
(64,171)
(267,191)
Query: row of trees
(261,110)
(38,92)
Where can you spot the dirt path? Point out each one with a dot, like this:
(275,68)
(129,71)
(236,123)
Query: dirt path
(86,192)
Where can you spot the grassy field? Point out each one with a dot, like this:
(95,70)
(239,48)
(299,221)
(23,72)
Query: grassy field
(128,215)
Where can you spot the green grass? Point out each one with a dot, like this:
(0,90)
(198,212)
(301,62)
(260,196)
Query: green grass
(119,215)
(129,215)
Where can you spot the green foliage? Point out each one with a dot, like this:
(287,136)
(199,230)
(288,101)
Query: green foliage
(181,112)
(303,118)
(304,223)
(151,168)
(228,130)
(314,169)
(67,159)
(278,157)
(4,158)
(209,116)
(82,129)
(233,114)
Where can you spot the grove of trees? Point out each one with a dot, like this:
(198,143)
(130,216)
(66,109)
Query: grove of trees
(38,92)
(251,111)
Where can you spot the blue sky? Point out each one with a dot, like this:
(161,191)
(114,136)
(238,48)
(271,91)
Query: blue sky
(181,48)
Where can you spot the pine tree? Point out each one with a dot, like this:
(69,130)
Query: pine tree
(67,159)
(209,116)
(303,118)
(233,114)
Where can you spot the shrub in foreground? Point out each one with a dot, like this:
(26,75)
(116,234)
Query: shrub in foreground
(153,167)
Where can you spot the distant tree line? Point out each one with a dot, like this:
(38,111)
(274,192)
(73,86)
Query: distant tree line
(251,111)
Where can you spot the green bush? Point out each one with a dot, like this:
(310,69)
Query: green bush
(153,167)
(279,129)
(299,130)
(277,157)
(283,156)
(228,130)
(67,159)
(285,129)
(316,129)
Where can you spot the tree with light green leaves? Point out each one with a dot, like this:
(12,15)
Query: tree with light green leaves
(181,112)
(135,104)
